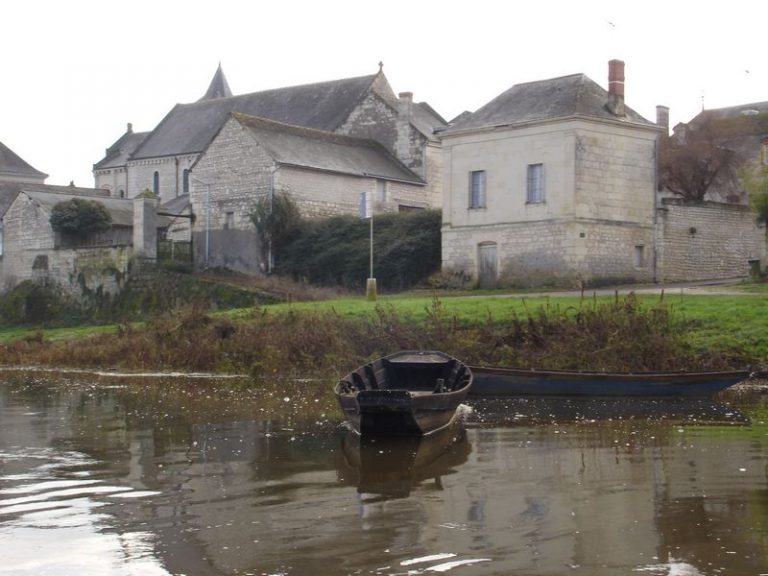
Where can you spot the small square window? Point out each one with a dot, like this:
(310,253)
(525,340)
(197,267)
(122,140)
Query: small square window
(477,189)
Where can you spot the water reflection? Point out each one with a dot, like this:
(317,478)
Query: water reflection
(178,477)
(382,468)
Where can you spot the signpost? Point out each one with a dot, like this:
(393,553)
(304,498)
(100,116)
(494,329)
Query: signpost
(366,212)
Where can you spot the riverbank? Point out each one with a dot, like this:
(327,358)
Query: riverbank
(663,332)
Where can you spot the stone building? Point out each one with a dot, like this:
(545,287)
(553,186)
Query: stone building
(33,250)
(366,107)
(14,169)
(551,182)
(165,159)
(324,174)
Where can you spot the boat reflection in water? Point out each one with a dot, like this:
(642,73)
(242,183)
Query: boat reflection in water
(389,467)
(534,411)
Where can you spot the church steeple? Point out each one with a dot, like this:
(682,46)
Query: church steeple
(219,88)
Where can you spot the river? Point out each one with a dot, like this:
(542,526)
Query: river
(155,476)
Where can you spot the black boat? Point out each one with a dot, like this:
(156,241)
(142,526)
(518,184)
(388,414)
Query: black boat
(406,393)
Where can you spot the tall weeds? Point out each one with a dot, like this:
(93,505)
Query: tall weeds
(622,334)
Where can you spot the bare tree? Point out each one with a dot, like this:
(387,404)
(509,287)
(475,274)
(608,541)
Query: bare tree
(703,156)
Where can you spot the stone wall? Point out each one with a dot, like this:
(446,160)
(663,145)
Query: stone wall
(171,172)
(707,241)
(554,252)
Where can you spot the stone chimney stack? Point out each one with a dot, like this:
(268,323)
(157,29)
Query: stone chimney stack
(662,117)
(405,105)
(130,128)
(616,87)
(145,227)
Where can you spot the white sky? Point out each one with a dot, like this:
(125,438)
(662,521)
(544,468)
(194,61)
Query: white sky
(76,71)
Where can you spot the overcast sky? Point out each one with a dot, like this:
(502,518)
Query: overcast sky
(75,72)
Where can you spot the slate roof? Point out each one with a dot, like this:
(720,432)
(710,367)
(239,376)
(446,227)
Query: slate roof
(189,128)
(11,164)
(219,87)
(118,154)
(426,120)
(564,97)
(735,111)
(327,151)
(121,209)
(176,206)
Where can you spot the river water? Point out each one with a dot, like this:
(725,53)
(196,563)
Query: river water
(154,476)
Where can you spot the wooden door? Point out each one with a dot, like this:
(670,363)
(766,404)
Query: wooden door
(488,267)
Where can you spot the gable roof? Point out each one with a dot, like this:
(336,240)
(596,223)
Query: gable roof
(735,111)
(189,128)
(327,151)
(12,165)
(563,97)
(9,191)
(120,209)
(118,154)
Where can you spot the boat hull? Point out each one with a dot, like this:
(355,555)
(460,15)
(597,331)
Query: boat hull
(489,381)
(398,396)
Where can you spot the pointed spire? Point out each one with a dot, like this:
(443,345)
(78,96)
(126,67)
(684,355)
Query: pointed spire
(219,88)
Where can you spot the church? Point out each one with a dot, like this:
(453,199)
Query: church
(323,144)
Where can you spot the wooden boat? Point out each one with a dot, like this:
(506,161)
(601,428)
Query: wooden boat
(491,381)
(406,393)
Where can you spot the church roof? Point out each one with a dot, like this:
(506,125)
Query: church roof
(118,154)
(326,151)
(11,165)
(189,128)
(219,87)
(564,97)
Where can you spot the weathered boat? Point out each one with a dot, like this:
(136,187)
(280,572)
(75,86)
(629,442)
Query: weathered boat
(406,393)
(492,381)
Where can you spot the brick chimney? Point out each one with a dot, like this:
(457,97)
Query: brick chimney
(615,102)
(662,117)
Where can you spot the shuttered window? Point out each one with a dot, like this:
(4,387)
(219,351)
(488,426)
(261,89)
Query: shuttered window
(477,189)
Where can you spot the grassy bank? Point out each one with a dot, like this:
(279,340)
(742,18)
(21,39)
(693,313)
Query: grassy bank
(653,332)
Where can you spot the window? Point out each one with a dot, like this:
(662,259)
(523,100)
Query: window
(1,239)
(381,191)
(477,189)
(535,184)
(156,183)
(640,256)
(185,181)
(121,193)
(229,220)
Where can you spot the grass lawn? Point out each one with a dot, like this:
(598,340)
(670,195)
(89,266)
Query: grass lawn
(720,322)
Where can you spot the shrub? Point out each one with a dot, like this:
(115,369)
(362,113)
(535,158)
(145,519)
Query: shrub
(336,251)
(80,217)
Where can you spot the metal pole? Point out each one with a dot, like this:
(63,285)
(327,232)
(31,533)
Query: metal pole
(371,258)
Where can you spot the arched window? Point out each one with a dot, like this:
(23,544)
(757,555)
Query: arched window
(185,181)
(156,182)
(121,193)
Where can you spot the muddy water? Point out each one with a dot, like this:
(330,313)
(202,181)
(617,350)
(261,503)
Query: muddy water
(117,476)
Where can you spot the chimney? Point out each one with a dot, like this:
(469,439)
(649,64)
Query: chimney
(405,107)
(662,117)
(616,87)
(130,128)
